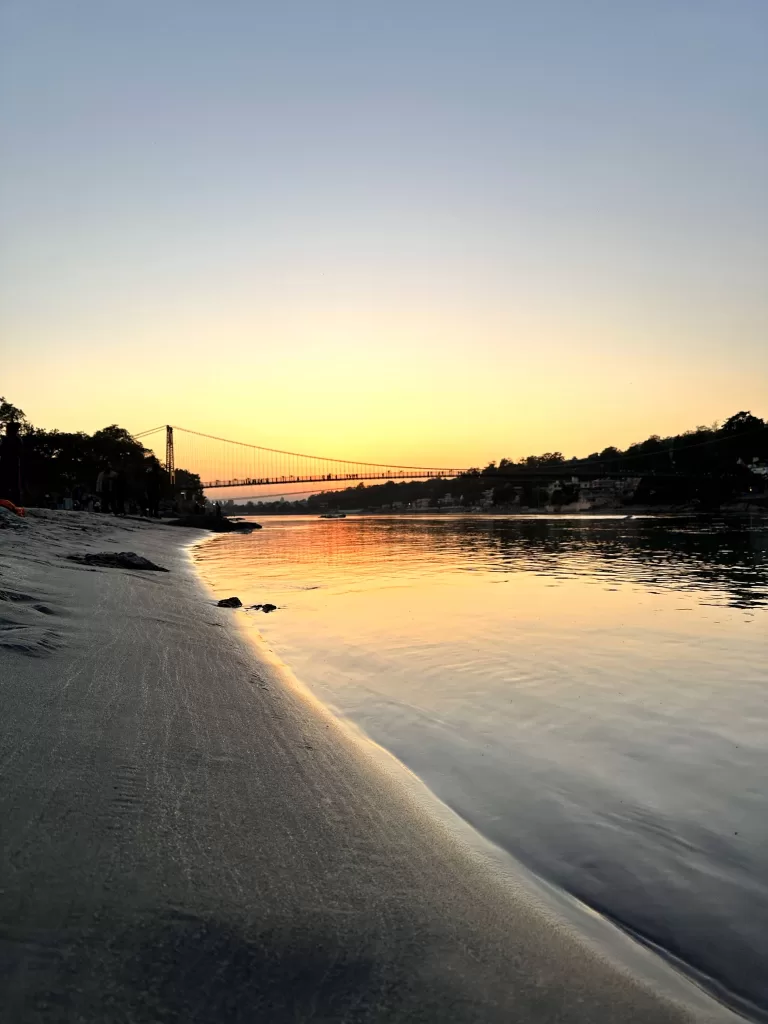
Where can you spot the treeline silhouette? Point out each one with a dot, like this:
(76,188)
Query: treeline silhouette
(46,467)
(707,466)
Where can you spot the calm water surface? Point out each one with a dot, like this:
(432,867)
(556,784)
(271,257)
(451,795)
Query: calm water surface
(590,694)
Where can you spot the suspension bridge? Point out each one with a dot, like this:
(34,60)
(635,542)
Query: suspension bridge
(223,463)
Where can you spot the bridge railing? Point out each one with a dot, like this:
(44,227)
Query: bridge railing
(267,481)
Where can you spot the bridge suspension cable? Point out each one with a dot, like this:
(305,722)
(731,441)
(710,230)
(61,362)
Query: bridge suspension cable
(146,433)
(299,455)
(222,462)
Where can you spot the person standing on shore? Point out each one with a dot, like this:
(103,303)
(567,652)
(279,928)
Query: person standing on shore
(104,488)
(152,489)
(10,463)
(117,488)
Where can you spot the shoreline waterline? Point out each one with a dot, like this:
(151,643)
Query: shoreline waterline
(610,939)
(182,823)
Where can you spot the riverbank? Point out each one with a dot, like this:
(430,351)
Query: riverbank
(757,508)
(188,836)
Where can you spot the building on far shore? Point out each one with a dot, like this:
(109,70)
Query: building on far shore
(757,467)
(607,490)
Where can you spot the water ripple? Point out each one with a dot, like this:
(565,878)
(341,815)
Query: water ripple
(588,693)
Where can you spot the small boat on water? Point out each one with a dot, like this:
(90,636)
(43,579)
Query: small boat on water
(333,515)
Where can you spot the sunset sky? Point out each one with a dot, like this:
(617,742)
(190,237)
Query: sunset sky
(419,231)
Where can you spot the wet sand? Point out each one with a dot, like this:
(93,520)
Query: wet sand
(186,836)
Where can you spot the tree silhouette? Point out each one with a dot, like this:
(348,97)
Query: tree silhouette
(10,413)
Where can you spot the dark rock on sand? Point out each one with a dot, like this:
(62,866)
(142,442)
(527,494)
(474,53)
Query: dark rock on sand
(243,524)
(11,520)
(269,607)
(118,560)
(214,524)
(230,602)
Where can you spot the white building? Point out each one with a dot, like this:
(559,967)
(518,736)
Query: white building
(608,491)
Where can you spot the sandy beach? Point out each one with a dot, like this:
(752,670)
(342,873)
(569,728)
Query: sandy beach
(188,836)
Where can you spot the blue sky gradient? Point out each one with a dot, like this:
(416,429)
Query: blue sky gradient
(350,208)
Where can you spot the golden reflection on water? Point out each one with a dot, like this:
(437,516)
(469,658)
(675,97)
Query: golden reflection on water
(589,694)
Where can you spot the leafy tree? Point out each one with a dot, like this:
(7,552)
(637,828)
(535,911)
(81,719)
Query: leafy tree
(56,463)
(541,461)
(10,413)
(741,422)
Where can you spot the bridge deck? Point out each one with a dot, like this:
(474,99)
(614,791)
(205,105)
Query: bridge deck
(519,476)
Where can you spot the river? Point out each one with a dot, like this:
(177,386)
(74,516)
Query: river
(588,693)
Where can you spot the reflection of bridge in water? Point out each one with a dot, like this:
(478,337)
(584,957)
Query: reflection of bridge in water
(224,463)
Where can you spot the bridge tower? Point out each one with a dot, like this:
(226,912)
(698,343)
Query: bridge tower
(170,464)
